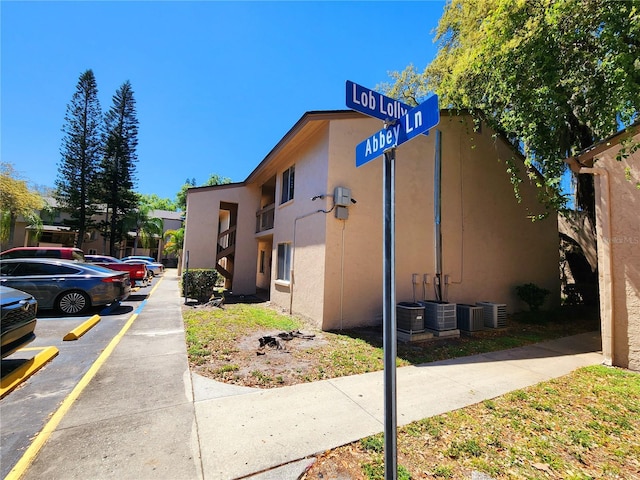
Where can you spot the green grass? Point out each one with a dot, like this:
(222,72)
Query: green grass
(212,333)
(212,337)
(592,431)
(585,425)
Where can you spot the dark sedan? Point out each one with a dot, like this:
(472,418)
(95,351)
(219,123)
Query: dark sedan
(18,319)
(69,287)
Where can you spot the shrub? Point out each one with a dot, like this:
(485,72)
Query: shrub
(532,295)
(199,283)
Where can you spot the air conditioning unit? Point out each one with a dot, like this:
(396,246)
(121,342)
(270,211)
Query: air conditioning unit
(470,317)
(410,317)
(439,315)
(495,314)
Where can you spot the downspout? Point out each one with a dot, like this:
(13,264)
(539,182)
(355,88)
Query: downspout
(342,278)
(605,197)
(437,206)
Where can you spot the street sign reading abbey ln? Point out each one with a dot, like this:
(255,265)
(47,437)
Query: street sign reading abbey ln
(414,122)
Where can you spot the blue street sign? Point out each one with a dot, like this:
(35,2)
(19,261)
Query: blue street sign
(413,123)
(374,104)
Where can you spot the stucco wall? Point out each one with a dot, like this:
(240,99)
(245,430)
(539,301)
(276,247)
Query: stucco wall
(620,272)
(201,231)
(501,246)
(489,244)
(299,221)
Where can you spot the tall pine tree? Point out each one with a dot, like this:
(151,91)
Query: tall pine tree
(81,151)
(118,166)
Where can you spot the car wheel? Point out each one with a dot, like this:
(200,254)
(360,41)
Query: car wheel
(73,302)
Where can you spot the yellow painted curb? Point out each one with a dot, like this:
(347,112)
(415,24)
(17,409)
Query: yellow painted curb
(80,330)
(29,455)
(22,373)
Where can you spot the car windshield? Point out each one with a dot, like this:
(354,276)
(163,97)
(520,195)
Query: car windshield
(17,269)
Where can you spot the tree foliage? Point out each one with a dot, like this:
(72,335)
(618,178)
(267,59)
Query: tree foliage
(81,151)
(214,179)
(174,244)
(554,76)
(154,202)
(174,241)
(146,228)
(181,196)
(16,199)
(118,166)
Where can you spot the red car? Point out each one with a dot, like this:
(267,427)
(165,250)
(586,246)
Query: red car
(63,253)
(137,271)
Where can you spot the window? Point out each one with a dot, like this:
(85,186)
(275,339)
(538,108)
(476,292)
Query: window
(8,269)
(29,269)
(288,179)
(284,262)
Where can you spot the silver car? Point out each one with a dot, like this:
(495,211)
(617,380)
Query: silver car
(69,287)
(18,319)
(154,268)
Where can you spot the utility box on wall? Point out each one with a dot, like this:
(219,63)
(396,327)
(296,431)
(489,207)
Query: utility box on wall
(342,213)
(342,197)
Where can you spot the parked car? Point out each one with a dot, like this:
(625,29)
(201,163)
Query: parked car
(18,319)
(138,272)
(65,253)
(154,268)
(69,287)
(139,257)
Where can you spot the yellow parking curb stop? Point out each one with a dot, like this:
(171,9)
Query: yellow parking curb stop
(22,373)
(82,329)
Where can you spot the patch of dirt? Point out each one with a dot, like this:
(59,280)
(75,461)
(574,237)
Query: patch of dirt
(285,363)
(339,464)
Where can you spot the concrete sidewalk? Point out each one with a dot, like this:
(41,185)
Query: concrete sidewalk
(144,416)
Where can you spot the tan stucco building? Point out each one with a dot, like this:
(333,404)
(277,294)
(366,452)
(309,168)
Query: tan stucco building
(617,184)
(54,233)
(281,231)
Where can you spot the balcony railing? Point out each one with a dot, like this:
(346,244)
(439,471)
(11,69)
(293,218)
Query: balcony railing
(226,243)
(264,218)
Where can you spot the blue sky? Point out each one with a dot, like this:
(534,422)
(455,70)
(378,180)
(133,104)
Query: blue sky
(217,84)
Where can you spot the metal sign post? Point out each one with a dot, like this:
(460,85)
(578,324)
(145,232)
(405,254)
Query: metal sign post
(402,123)
(185,278)
(389,316)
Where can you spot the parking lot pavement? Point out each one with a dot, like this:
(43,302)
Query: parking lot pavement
(26,409)
(135,417)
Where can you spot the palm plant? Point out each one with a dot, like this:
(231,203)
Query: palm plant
(174,243)
(7,225)
(146,228)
